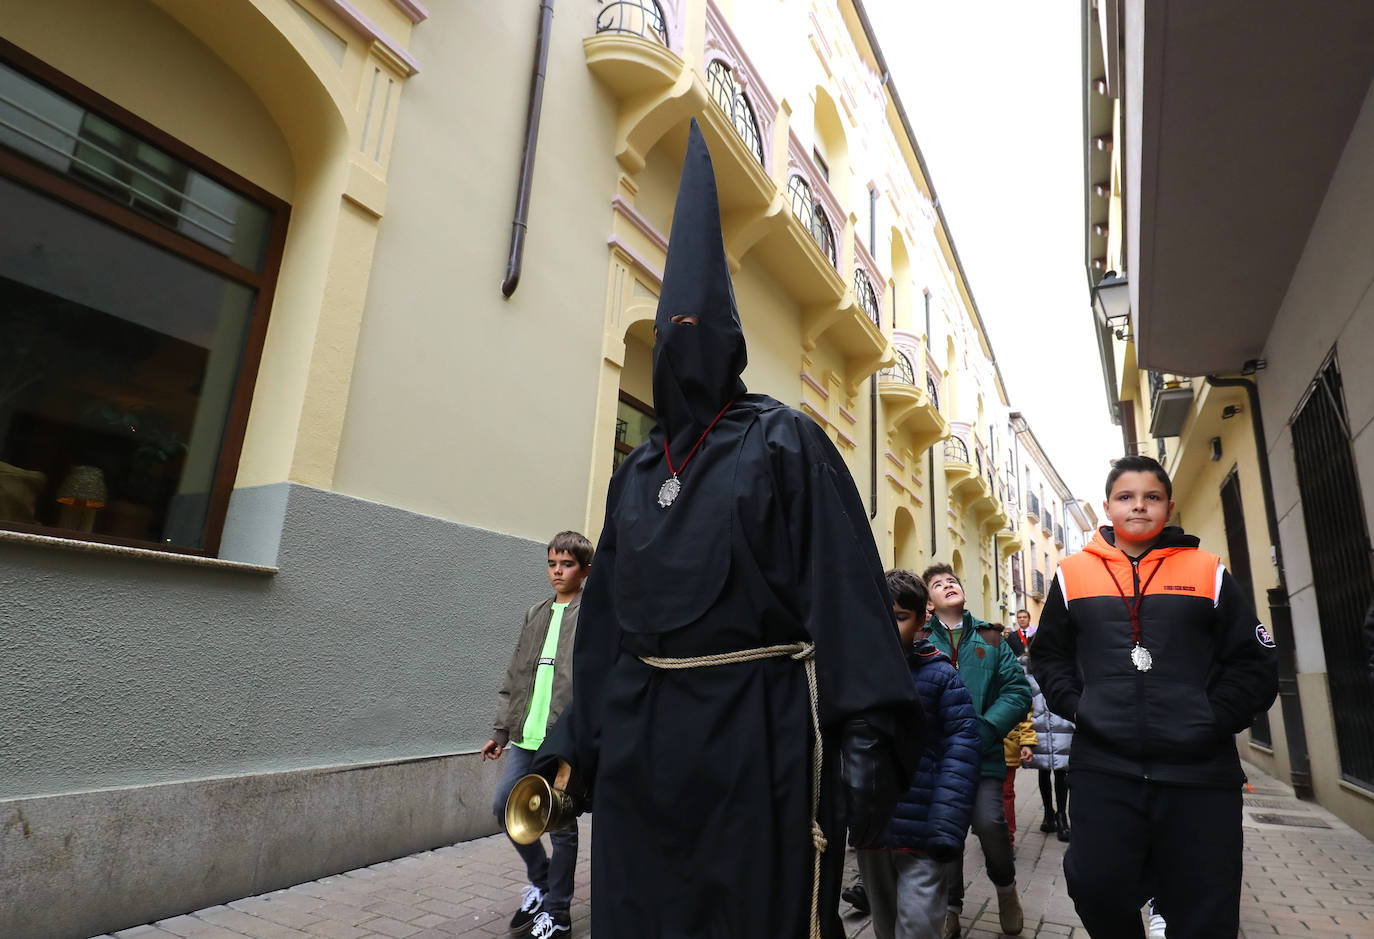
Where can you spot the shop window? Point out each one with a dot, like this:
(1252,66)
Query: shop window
(135,281)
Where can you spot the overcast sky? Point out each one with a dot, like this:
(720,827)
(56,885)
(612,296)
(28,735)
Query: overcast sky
(993,91)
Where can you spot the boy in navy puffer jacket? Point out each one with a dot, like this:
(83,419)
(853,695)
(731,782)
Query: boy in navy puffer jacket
(905,871)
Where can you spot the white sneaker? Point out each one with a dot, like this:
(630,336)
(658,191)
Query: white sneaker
(1157,924)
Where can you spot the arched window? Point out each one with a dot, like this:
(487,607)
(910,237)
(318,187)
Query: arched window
(809,211)
(956,451)
(728,94)
(863,291)
(640,17)
(933,390)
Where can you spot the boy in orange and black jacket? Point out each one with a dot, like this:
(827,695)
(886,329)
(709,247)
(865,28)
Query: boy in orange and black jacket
(1151,647)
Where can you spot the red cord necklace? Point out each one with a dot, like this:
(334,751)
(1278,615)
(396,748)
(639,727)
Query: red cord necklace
(668,492)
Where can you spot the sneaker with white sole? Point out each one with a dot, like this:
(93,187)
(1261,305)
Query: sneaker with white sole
(531,902)
(1157,925)
(547,925)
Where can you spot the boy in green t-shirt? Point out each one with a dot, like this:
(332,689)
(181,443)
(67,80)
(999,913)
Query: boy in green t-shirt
(538,686)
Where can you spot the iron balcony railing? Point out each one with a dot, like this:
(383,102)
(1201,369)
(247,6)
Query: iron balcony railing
(1059,535)
(901,370)
(868,300)
(1033,505)
(1046,523)
(637,17)
(933,390)
(956,451)
(728,95)
(1037,584)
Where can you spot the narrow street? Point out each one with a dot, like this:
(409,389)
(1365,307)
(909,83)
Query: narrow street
(1306,873)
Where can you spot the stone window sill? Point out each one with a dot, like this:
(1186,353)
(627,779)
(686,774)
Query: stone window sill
(119,551)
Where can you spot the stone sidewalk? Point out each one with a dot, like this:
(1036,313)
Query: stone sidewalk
(1306,874)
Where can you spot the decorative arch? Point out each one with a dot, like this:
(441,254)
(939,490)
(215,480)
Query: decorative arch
(906,549)
(902,312)
(832,144)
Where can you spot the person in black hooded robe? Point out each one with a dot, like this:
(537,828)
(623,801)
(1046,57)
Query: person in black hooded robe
(701,777)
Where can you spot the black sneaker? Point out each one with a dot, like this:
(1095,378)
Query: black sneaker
(547,925)
(856,896)
(531,902)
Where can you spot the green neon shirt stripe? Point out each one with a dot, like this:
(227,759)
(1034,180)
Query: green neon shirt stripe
(537,720)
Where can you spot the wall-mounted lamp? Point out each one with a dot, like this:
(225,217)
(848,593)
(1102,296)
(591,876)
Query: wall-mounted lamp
(1112,304)
(1230,411)
(1215,444)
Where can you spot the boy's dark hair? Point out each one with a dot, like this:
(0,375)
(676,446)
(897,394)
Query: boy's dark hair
(576,544)
(1139,464)
(908,591)
(939,568)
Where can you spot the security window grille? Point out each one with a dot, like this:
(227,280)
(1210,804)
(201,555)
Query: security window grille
(728,95)
(637,17)
(1338,542)
(135,283)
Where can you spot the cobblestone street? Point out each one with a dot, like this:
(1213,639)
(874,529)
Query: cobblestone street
(1306,873)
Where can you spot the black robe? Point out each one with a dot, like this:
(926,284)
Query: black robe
(700,779)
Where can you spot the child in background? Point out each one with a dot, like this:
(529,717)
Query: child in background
(905,871)
(538,686)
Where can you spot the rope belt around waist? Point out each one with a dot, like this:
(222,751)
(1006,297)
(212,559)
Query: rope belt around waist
(804,652)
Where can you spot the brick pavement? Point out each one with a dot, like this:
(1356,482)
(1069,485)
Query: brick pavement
(1315,880)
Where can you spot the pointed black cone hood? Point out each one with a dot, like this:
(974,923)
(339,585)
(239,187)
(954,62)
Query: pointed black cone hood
(697,368)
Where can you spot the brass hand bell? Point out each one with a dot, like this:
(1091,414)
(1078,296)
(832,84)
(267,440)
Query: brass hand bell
(534,807)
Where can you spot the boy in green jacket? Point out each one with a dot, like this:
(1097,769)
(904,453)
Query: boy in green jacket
(538,686)
(1001,696)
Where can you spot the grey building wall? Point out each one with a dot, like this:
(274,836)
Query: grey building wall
(208,699)
(1328,305)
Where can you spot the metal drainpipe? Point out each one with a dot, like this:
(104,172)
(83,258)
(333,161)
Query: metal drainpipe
(522,190)
(873,452)
(1280,614)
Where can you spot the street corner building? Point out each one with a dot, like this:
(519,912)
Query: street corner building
(318,318)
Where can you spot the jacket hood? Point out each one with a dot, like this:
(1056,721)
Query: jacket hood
(697,368)
(924,652)
(1103,543)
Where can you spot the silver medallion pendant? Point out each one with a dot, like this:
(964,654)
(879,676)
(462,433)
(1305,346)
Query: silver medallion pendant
(667,493)
(1140,657)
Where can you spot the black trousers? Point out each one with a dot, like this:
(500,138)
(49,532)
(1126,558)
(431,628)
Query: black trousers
(1133,839)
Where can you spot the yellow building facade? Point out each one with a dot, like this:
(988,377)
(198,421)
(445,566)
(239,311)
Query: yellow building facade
(274,499)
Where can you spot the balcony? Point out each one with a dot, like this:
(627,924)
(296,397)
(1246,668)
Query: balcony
(1171,401)
(1059,536)
(1033,506)
(906,405)
(962,478)
(1037,585)
(1046,523)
